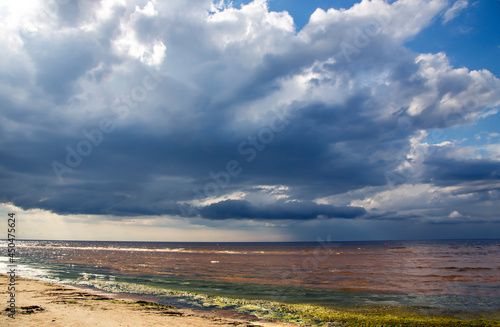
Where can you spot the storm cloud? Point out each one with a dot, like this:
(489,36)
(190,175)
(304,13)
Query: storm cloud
(280,210)
(205,110)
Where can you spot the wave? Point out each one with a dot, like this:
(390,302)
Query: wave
(105,248)
(129,249)
(25,270)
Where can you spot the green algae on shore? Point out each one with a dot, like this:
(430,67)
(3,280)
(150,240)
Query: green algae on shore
(317,315)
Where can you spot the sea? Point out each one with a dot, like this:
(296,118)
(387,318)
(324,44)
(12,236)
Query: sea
(441,274)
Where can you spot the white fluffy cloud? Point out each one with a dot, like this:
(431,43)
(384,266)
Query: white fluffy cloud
(454,10)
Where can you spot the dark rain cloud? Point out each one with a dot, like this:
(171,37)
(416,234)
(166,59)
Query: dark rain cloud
(451,171)
(345,122)
(234,209)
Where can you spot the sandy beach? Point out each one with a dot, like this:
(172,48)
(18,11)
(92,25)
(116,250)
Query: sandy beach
(46,304)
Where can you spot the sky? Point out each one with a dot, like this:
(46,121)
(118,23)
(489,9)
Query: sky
(278,120)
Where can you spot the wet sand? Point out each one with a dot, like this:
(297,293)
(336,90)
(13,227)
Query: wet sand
(41,304)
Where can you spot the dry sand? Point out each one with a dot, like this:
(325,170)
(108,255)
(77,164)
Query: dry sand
(41,304)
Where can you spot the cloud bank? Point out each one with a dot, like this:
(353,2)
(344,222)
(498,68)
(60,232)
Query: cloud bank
(205,110)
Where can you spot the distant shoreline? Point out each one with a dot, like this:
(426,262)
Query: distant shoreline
(263,242)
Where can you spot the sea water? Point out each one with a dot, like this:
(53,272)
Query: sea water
(446,274)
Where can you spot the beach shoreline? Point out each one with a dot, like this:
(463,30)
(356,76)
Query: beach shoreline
(44,303)
(41,303)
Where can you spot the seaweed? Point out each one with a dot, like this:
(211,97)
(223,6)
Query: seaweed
(318,315)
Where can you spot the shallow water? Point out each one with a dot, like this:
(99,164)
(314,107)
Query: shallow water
(443,274)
